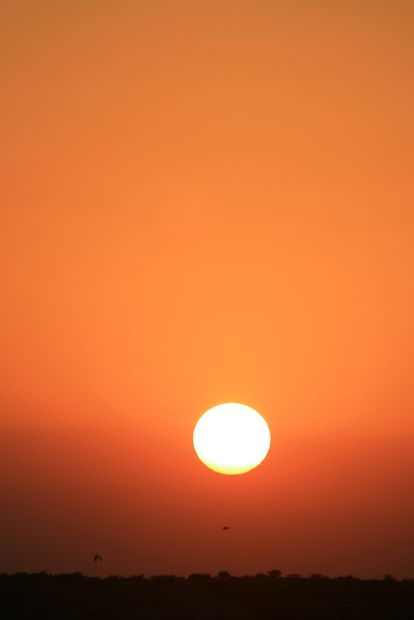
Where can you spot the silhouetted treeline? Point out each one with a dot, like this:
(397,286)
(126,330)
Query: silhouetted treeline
(202,597)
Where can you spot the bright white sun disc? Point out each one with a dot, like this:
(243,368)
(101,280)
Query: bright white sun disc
(231,438)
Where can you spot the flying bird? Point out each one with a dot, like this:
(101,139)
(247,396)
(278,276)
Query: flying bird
(226,527)
(97,558)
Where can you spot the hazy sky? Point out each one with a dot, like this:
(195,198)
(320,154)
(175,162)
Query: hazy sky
(204,202)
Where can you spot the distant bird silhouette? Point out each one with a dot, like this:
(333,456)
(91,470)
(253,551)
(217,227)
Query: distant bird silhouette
(97,558)
(226,527)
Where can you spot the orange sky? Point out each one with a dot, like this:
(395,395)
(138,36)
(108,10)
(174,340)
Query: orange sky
(205,202)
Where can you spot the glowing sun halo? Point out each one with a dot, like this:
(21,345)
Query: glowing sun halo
(231,438)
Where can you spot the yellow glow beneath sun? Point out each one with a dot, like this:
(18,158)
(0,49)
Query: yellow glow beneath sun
(231,438)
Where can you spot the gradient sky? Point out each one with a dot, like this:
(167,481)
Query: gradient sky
(204,202)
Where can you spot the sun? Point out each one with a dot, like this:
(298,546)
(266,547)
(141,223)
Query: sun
(231,438)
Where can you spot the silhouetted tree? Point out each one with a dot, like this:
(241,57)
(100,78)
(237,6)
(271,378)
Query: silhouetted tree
(224,574)
(274,574)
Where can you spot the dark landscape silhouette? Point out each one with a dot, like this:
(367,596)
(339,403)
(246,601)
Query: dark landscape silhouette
(202,597)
